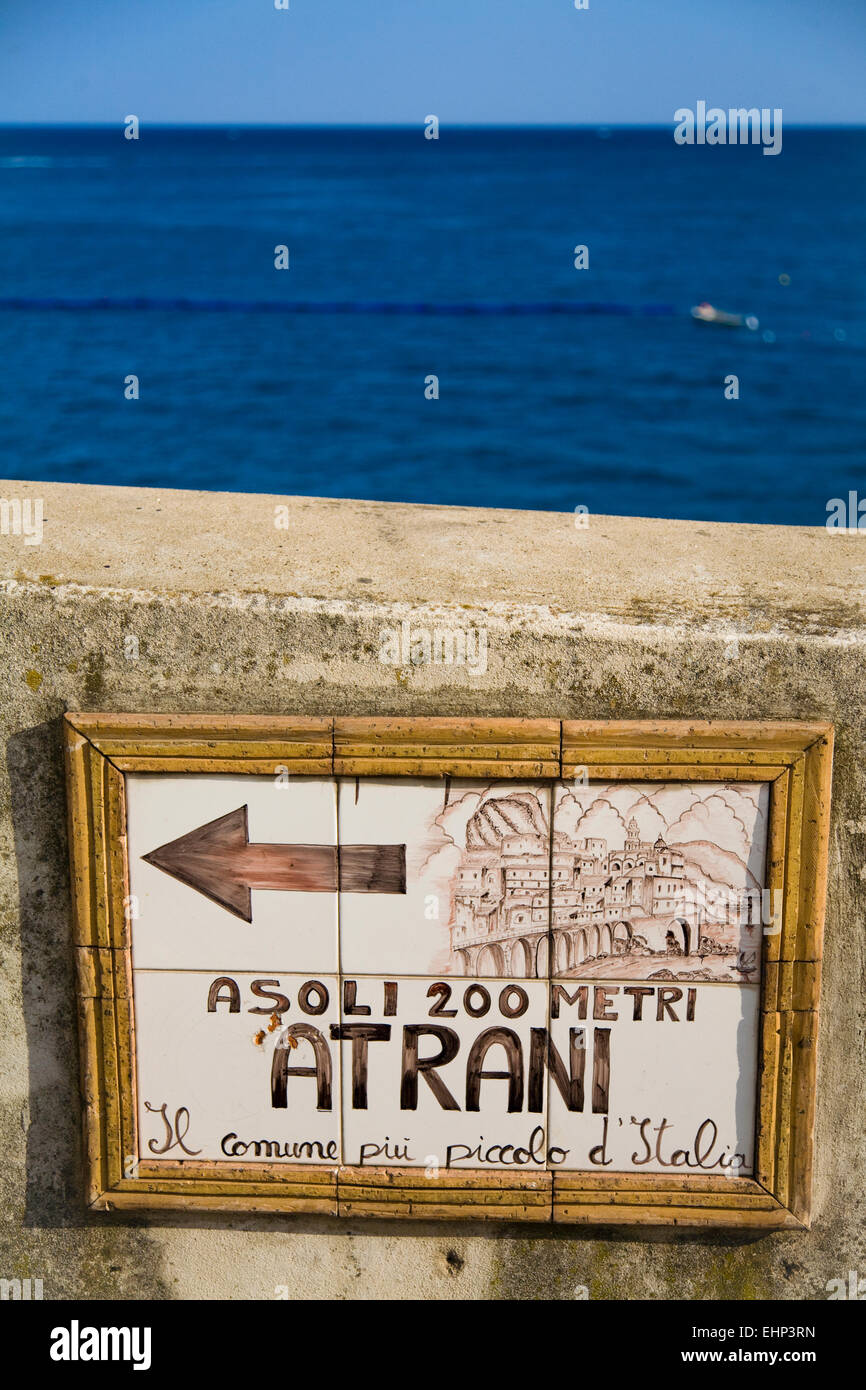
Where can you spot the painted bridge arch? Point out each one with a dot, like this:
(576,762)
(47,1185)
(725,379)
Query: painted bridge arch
(679,937)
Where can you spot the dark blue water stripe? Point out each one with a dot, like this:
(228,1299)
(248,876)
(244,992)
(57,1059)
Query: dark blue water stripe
(355,306)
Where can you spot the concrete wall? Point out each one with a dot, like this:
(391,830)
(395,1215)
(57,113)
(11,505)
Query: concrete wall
(231,612)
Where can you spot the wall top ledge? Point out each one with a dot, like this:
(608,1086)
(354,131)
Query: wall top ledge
(633,570)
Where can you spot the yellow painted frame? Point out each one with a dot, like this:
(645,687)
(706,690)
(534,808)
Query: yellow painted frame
(795,758)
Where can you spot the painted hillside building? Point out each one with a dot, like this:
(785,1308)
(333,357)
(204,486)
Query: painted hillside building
(635,901)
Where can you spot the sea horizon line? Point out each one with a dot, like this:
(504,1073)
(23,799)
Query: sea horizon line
(590,126)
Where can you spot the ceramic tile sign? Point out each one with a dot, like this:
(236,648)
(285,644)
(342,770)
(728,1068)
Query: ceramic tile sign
(447,975)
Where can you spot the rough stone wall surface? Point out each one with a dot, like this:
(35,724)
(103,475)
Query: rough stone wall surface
(624,618)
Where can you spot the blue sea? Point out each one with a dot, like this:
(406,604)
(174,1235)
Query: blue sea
(452,258)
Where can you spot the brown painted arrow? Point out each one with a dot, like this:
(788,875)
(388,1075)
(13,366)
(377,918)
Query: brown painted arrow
(219,861)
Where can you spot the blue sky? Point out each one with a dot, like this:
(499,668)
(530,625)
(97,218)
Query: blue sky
(395,61)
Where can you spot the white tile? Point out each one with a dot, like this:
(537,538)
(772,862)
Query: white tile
(472,849)
(665,1070)
(213,1070)
(390,1121)
(660,877)
(177,926)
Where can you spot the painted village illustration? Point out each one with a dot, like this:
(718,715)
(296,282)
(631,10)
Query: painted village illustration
(655,882)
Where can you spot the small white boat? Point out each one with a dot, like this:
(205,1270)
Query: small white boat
(708,313)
